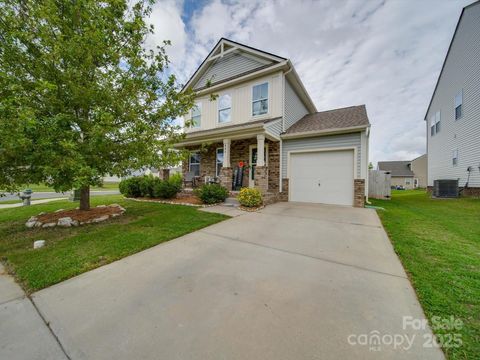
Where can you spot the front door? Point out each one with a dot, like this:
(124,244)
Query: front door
(253,163)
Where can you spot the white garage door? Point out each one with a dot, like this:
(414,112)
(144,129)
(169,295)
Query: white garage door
(322,177)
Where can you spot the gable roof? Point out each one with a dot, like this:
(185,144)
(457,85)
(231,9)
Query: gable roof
(254,62)
(396,168)
(226,47)
(446,56)
(343,118)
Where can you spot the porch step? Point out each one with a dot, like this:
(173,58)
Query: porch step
(231,201)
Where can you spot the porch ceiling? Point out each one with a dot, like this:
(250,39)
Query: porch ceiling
(238,132)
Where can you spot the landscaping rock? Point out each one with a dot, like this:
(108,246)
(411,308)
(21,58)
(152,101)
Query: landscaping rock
(101,218)
(50,224)
(31,224)
(59,210)
(65,222)
(38,244)
(101,206)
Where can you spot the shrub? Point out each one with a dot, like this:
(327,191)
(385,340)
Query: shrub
(176,179)
(211,193)
(167,189)
(146,185)
(130,187)
(250,197)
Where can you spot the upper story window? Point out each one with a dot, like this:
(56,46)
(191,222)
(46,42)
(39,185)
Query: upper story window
(437,122)
(197,115)
(224,108)
(458,105)
(455,157)
(260,99)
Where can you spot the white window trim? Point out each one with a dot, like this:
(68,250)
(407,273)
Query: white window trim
(219,109)
(437,121)
(268,100)
(216,160)
(199,105)
(190,160)
(455,105)
(455,157)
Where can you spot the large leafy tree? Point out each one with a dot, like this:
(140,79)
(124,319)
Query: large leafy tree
(80,96)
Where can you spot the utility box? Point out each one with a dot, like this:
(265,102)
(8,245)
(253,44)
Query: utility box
(75,195)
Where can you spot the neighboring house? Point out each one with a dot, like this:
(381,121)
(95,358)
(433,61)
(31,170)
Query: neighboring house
(419,167)
(262,116)
(453,115)
(409,174)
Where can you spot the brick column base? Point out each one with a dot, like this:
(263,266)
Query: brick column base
(359,193)
(283,196)
(261,178)
(226,177)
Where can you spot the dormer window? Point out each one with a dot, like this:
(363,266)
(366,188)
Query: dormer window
(224,108)
(197,115)
(260,99)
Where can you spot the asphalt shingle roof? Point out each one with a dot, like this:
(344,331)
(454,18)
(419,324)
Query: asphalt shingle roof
(331,119)
(396,168)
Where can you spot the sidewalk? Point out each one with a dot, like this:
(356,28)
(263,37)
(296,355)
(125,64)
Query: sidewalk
(34,202)
(23,333)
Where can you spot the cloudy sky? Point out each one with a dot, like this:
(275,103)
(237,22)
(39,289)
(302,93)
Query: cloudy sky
(386,54)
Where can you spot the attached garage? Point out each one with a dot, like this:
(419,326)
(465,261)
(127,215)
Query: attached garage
(322,176)
(324,158)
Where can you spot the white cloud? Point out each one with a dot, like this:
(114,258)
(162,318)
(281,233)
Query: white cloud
(385,54)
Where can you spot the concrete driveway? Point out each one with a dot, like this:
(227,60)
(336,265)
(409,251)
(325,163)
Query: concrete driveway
(293,281)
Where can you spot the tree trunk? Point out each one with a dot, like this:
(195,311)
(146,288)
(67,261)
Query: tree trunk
(85,198)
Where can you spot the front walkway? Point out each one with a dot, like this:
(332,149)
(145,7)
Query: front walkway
(292,281)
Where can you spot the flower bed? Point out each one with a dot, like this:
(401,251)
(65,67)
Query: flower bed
(75,217)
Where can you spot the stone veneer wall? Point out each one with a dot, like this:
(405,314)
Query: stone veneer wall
(359,192)
(239,151)
(283,196)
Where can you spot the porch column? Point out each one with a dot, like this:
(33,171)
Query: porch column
(260,150)
(226,152)
(226,173)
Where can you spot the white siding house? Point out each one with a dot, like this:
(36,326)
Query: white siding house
(254,117)
(453,116)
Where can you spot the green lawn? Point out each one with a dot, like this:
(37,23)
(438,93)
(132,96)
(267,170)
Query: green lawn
(71,251)
(438,242)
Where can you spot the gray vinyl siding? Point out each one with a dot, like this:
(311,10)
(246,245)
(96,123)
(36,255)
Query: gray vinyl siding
(322,142)
(274,127)
(294,107)
(461,71)
(230,65)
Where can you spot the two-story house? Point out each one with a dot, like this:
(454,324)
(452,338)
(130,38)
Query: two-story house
(261,129)
(453,115)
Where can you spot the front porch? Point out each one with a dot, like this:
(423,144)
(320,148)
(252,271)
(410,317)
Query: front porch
(236,163)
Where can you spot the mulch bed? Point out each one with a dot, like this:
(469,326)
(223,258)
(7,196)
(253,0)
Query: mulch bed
(80,215)
(251,209)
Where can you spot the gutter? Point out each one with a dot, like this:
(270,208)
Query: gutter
(332,131)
